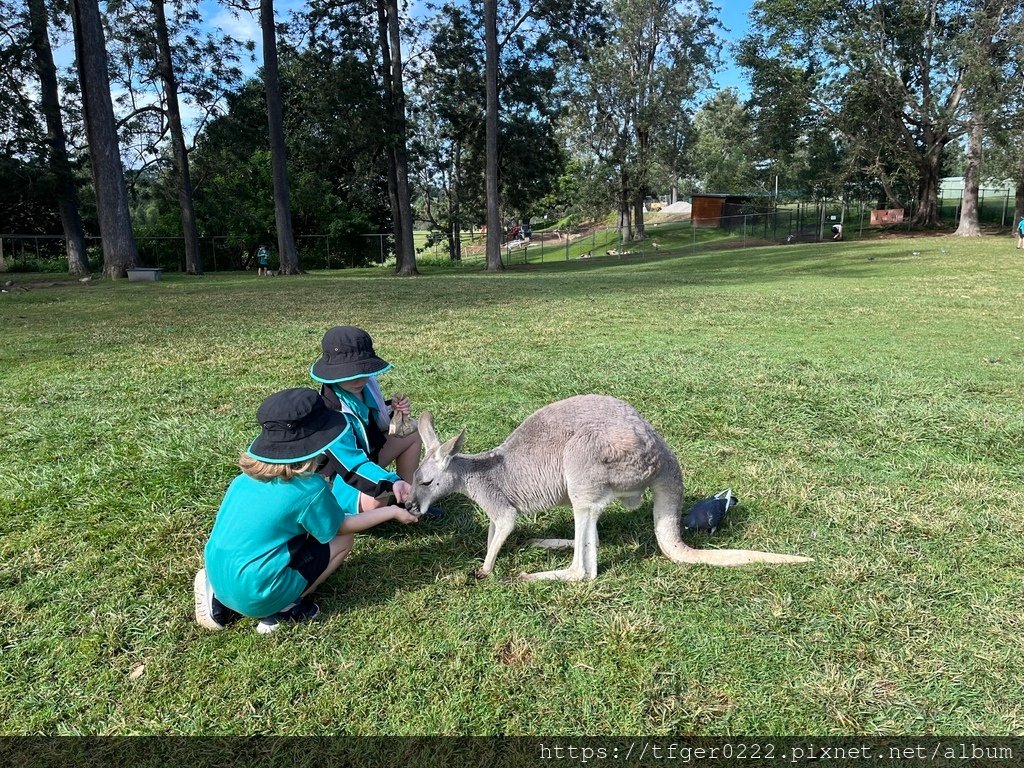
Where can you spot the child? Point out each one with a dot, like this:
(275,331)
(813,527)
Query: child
(347,370)
(280,531)
(263,260)
(1020,233)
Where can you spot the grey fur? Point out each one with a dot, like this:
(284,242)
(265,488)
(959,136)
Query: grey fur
(585,451)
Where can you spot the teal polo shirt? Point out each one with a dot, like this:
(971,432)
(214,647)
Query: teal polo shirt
(247,557)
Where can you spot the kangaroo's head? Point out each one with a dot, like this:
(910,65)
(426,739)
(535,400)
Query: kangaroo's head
(432,479)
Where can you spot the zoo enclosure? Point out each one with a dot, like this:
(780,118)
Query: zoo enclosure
(799,221)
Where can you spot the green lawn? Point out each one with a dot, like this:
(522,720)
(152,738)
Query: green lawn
(864,402)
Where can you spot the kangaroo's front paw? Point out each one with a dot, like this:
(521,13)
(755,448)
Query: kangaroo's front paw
(481,573)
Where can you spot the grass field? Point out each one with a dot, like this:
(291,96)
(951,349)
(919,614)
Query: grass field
(864,402)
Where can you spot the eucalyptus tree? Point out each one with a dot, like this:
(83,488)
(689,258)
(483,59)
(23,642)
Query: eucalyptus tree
(335,132)
(374,32)
(993,51)
(56,139)
(393,82)
(32,133)
(451,116)
(655,57)
(119,249)
(908,55)
(723,154)
(523,32)
(162,64)
(286,252)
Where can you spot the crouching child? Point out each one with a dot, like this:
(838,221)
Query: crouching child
(281,531)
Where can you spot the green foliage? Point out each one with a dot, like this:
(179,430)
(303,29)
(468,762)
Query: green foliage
(636,84)
(866,412)
(336,166)
(723,154)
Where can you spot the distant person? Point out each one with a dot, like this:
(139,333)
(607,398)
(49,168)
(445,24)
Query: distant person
(1020,234)
(263,260)
(837,231)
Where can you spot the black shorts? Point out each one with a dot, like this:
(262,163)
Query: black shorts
(308,556)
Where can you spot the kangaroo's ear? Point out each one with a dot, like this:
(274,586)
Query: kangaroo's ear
(454,445)
(427,433)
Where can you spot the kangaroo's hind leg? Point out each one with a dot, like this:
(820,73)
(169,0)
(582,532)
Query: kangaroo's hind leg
(584,556)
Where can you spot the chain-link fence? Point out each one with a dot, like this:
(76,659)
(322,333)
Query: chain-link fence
(788,223)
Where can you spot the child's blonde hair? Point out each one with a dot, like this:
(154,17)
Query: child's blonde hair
(265,471)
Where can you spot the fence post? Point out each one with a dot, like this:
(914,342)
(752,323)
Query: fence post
(213,244)
(1006,204)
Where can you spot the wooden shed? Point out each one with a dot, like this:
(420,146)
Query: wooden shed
(715,210)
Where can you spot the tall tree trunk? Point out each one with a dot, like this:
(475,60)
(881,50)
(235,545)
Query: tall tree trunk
(67,195)
(639,231)
(929,168)
(405,250)
(491,140)
(182,176)
(383,39)
(972,180)
(287,254)
(455,249)
(625,228)
(119,249)
(1018,195)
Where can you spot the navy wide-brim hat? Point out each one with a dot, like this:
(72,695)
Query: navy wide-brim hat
(297,425)
(347,354)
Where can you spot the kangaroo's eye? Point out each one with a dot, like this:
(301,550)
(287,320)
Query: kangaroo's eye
(426,482)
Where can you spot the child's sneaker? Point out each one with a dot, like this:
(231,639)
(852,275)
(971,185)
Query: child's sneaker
(211,613)
(304,610)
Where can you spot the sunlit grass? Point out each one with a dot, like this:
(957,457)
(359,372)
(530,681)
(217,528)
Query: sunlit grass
(862,399)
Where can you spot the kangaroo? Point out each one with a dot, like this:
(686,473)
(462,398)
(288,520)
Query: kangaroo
(587,450)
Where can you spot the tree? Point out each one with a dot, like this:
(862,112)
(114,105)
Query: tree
(723,154)
(179,151)
(992,51)
(450,117)
(493,253)
(389,33)
(161,64)
(60,166)
(908,55)
(119,249)
(652,61)
(289,259)
(335,131)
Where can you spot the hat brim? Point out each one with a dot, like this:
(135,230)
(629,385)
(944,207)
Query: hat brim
(302,449)
(333,374)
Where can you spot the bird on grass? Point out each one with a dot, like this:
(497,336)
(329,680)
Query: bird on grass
(708,514)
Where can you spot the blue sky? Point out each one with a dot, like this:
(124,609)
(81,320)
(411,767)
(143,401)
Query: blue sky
(734,17)
(246,27)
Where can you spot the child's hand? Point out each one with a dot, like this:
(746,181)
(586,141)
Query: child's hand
(403,516)
(400,403)
(401,489)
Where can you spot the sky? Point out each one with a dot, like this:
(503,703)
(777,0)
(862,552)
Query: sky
(245,26)
(734,17)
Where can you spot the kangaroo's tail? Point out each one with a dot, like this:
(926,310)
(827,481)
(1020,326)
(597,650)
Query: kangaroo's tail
(668,500)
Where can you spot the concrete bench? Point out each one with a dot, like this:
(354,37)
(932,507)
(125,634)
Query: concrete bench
(144,274)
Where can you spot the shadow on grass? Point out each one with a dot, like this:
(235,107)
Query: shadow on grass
(394,558)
